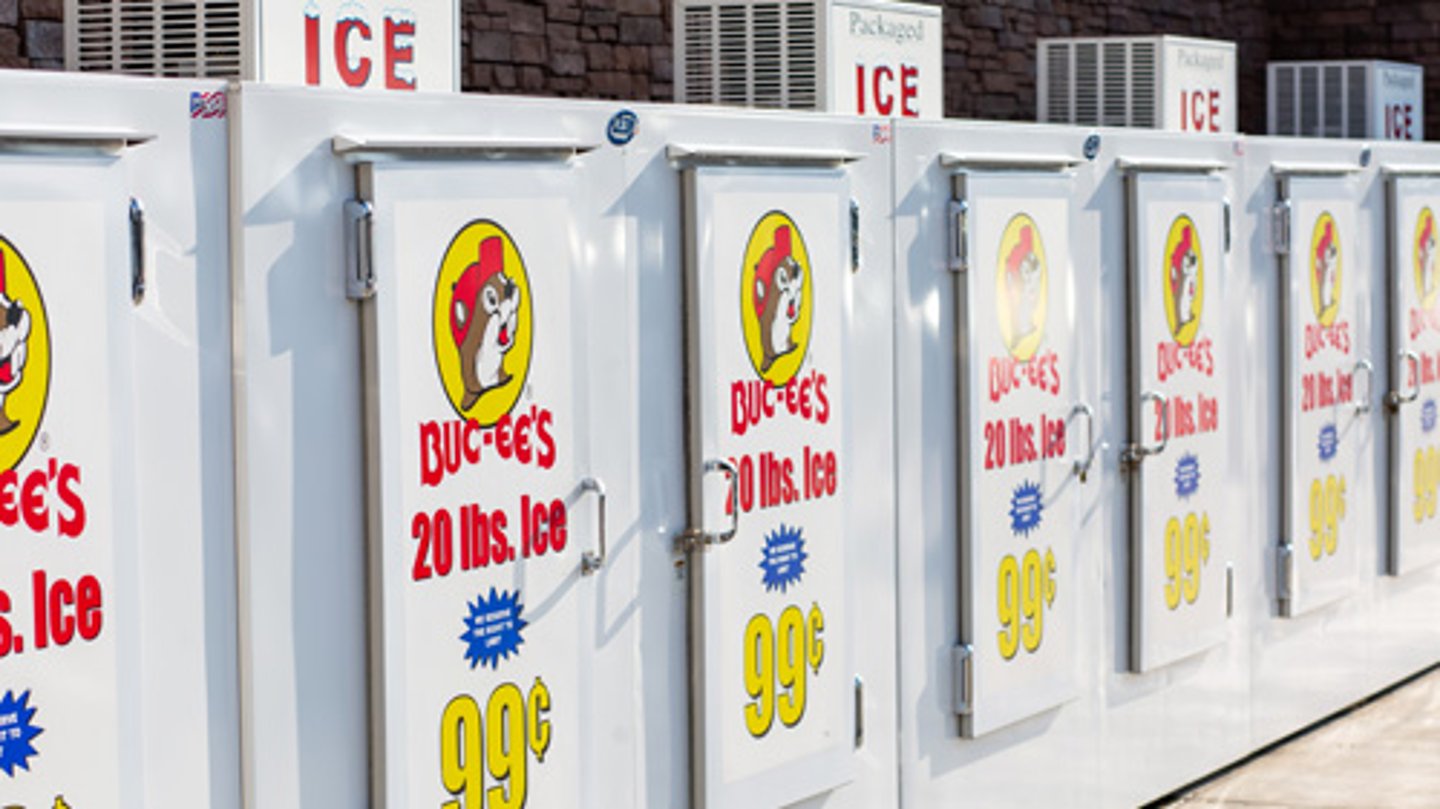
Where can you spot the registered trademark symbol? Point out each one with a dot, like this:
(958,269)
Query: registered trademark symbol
(44,442)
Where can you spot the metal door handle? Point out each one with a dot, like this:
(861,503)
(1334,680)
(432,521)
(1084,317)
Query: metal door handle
(1082,468)
(1395,398)
(1135,453)
(591,562)
(1369,369)
(721,465)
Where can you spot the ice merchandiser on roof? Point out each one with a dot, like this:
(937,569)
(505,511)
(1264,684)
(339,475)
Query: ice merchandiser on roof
(1346,99)
(865,57)
(399,45)
(1156,82)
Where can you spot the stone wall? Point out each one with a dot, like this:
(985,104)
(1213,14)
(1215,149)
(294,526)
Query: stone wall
(586,48)
(32,34)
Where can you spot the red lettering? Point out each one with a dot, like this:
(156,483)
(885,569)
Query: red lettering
(38,591)
(7,635)
(357,75)
(72,524)
(32,501)
(859,89)
(432,467)
(884,101)
(62,624)
(88,618)
(909,90)
(312,49)
(547,444)
(396,54)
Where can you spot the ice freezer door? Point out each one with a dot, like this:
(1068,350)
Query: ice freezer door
(1024,444)
(767,306)
(68,582)
(482,525)
(1328,382)
(1176,454)
(1415,372)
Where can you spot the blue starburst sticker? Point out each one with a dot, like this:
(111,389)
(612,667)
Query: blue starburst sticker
(1329,442)
(492,629)
(783,558)
(1187,475)
(17,730)
(1026,508)
(1427,416)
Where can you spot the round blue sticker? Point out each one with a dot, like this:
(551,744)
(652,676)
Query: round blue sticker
(622,128)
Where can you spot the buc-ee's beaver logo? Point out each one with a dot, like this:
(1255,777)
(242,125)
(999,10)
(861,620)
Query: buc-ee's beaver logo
(776,300)
(1022,287)
(1325,270)
(1184,276)
(1425,258)
(24,356)
(483,322)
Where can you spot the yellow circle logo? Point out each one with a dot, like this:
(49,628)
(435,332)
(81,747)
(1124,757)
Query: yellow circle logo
(1325,269)
(483,323)
(1425,258)
(1184,274)
(24,356)
(776,298)
(1022,287)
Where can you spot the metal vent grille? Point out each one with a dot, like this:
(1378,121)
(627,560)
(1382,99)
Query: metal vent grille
(1100,83)
(1144,77)
(1117,92)
(1282,91)
(1057,77)
(198,38)
(751,54)
(1357,101)
(1333,95)
(1309,101)
(1087,84)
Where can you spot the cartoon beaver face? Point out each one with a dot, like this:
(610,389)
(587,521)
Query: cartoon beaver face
(484,314)
(1184,275)
(779,284)
(1327,259)
(1427,259)
(14,337)
(1023,279)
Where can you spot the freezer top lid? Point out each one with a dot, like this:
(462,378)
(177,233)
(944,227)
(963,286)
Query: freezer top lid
(1177,166)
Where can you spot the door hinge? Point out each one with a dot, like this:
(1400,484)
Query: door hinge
(859,712)
(137,250)
(1280,227)
(963,657)
(359,269)
(1285,571)
(959,224)
(854,235)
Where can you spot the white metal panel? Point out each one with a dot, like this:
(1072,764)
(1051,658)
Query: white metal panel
(1415,374)
(1022,438)
(1182,544)
(483,524)
(171,603)
(1329,387)
(69,627)
(774,692)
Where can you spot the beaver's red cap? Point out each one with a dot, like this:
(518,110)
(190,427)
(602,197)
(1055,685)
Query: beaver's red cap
(491,260)
(1427,229)
(2,272)
(769,260)
(1022,248)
